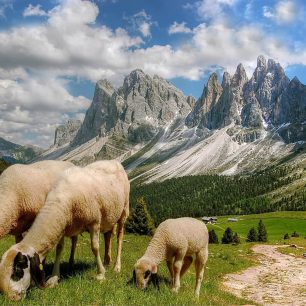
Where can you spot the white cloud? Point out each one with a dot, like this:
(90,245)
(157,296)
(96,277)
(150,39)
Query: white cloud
(32,10)
(31,108)
(210,9)
(141,22)
(283,12)
(179,28)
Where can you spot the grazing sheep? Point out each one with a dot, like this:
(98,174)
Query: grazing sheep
(175,241)
(94,199)
(23,191)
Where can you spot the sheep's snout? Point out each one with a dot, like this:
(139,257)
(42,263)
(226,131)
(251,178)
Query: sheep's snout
(16,296)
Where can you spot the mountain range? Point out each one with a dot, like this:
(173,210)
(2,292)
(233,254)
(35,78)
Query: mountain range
(236,126)
(11,152)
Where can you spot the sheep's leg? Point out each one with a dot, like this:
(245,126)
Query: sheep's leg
(120,233)
(108,248)
(53,280)
(74,240)
(95,247)
(200,261)
(177,266)
(186,264)
(18,238)
(170,268)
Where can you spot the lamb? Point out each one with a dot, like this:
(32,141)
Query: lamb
(94,198)
(175,241)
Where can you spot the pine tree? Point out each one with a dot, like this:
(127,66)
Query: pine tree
(252,235)
(262,232)
(236,239)
(227,236)
(140,222)
(286,236)
(213,238)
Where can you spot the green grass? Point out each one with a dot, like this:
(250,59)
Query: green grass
(82,289)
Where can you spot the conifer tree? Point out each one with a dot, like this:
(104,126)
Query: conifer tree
(140,222)
(262,232)
(236,239)
(227,236)
(252,235)
(286,236)
(213,238)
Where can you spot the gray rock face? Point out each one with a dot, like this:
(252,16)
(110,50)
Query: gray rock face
(203,115)
(266,85)
(102,114)
(136,110)
(268,98)
(290,106)
(66,132)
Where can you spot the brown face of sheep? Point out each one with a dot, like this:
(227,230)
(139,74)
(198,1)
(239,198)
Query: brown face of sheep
(16,272)
(144,271)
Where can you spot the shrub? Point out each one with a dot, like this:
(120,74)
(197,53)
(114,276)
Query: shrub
(262,232)
(286,236)
(236,239)
(140,222)
(213,238)
(227,236)
(252,235)
(295,234)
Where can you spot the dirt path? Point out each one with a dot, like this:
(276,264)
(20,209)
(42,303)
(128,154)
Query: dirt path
(279,279)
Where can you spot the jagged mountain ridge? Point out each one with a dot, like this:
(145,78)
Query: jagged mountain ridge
(233,127)
(136,110)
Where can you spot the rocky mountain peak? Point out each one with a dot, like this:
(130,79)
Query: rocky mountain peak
(226,80)
(240,77)
(295,82)
(261,62)
(65,133)
(191,101)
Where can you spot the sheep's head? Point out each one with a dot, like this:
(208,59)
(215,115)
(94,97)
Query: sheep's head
(144,271)
(17,268)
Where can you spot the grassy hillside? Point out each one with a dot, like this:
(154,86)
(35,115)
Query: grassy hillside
(80,288)
(274,189)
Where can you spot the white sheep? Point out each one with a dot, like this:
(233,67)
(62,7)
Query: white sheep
(175,241)
(94,199)
(23,191)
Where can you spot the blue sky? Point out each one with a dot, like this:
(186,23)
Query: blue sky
(53,52)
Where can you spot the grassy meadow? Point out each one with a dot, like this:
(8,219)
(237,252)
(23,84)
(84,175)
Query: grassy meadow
(80,287)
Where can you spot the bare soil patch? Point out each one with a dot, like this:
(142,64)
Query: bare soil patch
(279,279)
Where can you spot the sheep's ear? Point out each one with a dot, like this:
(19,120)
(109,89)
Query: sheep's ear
(154,269)
(37,271)
(134,277)
(20,263)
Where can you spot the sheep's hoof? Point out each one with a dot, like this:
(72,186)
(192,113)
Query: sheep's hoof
(100,277)
(52,281)
(175,289)
(117,269)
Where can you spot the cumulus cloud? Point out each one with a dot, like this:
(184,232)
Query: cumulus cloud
(179,28)
(33,107)
(32,10)
(283,12)
(210,9)
(141,22)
